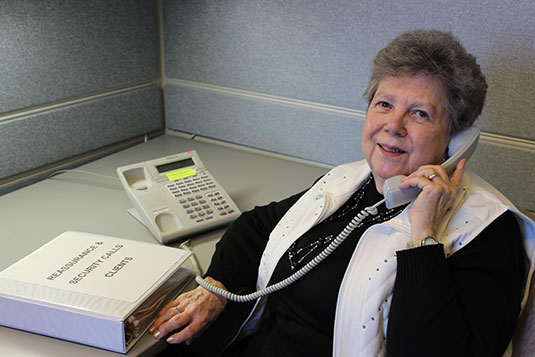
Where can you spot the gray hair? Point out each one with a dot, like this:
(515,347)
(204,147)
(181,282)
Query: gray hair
(440,55)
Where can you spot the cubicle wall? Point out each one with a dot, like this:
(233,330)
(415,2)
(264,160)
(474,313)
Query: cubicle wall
(288,76)
(81,78)
(75,77)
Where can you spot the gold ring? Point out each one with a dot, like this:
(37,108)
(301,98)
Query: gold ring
(432,176)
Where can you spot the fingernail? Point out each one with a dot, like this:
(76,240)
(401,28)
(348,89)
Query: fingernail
(151,330)
(157,334)
(170,340)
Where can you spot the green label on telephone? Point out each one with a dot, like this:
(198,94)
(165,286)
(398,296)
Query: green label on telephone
(177,175)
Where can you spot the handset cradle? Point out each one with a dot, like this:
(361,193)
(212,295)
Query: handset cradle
(462,145)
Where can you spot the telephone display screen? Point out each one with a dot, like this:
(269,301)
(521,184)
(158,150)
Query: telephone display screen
(175,165)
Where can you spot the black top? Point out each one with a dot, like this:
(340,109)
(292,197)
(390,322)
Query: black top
(466,305)
(301,317)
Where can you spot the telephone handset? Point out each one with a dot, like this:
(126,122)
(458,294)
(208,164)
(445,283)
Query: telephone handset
(462,145)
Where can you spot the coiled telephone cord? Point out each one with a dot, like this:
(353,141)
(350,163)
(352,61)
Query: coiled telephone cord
(372,210)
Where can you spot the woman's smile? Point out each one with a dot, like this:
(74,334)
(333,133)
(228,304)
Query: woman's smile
(390,149)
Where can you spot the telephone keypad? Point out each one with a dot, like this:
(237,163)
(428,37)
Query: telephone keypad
(196,205)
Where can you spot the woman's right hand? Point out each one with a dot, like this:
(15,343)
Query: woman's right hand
(199,308)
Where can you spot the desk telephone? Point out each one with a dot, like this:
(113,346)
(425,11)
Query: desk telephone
(176,196)
(462,145)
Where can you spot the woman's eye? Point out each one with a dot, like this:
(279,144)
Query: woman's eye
(421,114)
(383,104)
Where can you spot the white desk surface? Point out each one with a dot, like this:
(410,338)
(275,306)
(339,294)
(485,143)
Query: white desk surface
(34,215)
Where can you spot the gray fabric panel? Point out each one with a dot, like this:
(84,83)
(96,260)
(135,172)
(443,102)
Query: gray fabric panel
(321,51)
(299,132)
(56,49)
(509,169)
(33,141)
(292,49)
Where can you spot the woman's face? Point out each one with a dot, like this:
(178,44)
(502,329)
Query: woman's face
(406,126)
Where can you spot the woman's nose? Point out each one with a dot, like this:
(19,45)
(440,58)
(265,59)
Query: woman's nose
(395,125)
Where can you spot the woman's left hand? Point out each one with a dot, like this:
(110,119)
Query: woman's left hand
(192,312)
(437,197)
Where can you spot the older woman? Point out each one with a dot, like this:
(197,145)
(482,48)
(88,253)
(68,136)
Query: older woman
(441,276)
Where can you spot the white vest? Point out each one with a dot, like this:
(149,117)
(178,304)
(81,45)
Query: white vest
(366,290)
